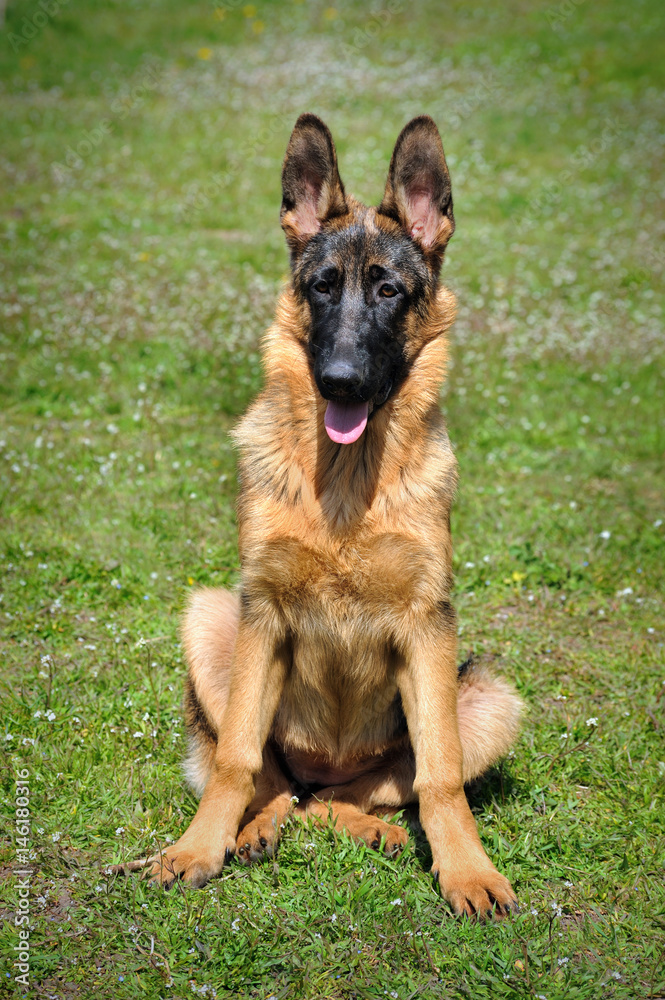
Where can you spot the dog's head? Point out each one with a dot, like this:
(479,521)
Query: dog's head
(366,276)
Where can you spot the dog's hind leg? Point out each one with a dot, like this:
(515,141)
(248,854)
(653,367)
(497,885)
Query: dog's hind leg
(388,785)
(237,667)
(209,630)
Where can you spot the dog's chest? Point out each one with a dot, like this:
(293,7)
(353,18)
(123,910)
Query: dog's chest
(342,587)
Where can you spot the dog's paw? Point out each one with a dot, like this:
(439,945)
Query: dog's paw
(377,834)
(258,833)
(257,839)
(193,862)
(479,892)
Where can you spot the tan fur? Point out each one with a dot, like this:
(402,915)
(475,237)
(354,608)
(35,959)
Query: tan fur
(489,714)
(488,710)
(337,667)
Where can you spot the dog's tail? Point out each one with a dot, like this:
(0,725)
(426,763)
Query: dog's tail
(489,712)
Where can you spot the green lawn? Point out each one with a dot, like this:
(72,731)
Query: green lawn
(140,151)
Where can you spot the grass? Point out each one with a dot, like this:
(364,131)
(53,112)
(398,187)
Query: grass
(141,146)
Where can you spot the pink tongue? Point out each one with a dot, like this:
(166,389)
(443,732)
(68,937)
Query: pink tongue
(345,422)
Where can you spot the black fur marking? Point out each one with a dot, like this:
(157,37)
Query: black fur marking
(195,718)
(466,667)
(360,284)
(298,788)
(447,616)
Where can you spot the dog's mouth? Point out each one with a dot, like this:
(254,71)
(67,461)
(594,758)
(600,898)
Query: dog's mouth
(345,419)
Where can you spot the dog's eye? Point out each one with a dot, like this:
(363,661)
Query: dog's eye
(322,287)
(387,291)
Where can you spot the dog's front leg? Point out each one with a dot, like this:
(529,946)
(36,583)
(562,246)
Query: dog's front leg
(259,666)
(427,679)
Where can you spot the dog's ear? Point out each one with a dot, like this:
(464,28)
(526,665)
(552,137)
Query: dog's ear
(418,193)
(312,191)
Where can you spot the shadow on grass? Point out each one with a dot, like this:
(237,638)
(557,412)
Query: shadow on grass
(495,789)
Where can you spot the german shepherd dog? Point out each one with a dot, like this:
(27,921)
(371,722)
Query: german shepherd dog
(332,674)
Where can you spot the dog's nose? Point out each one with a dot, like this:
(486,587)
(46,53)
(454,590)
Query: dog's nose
(341,378)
